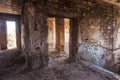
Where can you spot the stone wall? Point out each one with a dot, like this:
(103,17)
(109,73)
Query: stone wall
(94,30)
(98,24)
(35,33)
(97,31)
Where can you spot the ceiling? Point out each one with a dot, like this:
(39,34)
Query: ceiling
(115,2)
(14,6)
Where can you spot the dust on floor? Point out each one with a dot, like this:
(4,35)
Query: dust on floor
(58,71)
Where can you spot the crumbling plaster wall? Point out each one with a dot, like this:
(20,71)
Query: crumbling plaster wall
(97,31)
(11,6)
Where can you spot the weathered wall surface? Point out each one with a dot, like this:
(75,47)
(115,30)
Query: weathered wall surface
(35,34)
(96,36)
(116,43)
(97,23)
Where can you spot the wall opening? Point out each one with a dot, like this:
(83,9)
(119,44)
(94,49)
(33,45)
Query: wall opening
(11,34)
(51,34)
(58,35)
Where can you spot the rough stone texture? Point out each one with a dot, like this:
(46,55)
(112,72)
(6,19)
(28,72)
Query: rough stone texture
(97,36)
(116,47)
(97,22)
(73,41)
(35,35)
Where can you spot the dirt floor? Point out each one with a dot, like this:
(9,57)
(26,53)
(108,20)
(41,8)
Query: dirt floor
(60,70)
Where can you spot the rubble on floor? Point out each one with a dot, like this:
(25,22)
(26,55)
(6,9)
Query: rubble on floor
(72,71)
(59,71)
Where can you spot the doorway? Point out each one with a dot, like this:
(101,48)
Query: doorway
(58,35)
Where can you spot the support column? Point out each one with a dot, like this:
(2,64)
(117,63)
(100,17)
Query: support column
(3,35)
(73,47)
(35,34)
(60,34)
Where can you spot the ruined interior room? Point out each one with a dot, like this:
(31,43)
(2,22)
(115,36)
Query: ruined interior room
(59,39)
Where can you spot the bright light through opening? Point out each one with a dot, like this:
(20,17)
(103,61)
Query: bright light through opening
(66,34)
(11,34)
